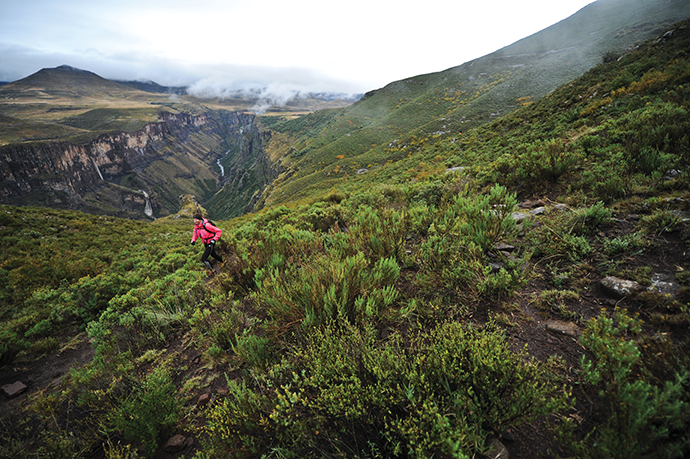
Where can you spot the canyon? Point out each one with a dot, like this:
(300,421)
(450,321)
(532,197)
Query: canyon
(141,174)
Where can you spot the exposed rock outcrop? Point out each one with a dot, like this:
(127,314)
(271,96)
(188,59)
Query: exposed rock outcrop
(139,174)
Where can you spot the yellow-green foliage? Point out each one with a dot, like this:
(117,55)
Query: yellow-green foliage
(644,414)
(347,392)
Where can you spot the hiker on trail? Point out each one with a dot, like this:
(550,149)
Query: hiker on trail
(209,234)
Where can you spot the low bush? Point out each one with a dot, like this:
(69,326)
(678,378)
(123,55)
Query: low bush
(347,393)
(327,289)
(150,410)
(643,418)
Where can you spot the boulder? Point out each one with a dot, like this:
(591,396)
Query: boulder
(14,389)
(620,288)
(563,328)
(502,247)
(519,216)
(203,399)
(175,443)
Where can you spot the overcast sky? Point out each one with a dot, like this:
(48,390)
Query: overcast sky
(288,45)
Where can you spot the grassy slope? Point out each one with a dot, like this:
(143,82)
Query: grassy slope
(428,108)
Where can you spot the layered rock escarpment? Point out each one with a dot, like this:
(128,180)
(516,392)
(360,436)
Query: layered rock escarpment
(128,173)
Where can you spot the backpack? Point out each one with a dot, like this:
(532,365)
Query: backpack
(208,230)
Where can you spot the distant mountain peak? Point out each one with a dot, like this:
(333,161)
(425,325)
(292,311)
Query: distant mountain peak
(68,69)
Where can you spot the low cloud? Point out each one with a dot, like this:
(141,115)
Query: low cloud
(266,96)
(268,86)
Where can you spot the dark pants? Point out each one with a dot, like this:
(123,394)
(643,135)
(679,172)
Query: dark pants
(210,250)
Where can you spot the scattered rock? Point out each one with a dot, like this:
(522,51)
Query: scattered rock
(203,399)
(538,211)
(189,442)
(563,328)
(497,450)
(527,204)
(362,171)
(620,288)
(501,247)
(14,389)
(496,267)
(661,283)
(672,174)
(222,391)
(560,207)
(540,203)
(519,216)
(175,443)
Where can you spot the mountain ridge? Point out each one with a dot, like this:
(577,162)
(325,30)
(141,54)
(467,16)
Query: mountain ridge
(441,105)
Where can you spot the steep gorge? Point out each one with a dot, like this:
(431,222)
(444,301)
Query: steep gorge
(113,174)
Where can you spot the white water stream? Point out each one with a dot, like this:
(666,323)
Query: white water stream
(148,210)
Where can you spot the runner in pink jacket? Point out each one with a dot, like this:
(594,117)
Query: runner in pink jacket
(209,235)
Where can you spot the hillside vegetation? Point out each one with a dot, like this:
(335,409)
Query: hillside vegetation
(400,313)
(328,145)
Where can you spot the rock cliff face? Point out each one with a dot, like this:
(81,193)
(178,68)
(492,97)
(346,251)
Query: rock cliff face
(128,173)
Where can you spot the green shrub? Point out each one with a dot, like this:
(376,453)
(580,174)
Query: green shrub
(347,393)
(542,163)
(150,410)
(484,220)
(252,349)
(379,233)
(584,221)
(624,244)
(10,345)
(453,254)
(555,301)
(643,419)
(659,222)
(326,289)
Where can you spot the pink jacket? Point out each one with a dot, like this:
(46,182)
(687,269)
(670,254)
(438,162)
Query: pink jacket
(206,231)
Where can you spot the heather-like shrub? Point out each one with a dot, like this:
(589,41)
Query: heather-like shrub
(454,252)
(584,221)
(327,289)
(643,417)
(347,393)
(148,411)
